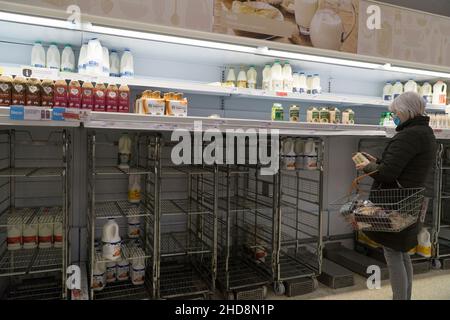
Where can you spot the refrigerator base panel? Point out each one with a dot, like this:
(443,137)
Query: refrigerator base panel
(335,276)
(353,260)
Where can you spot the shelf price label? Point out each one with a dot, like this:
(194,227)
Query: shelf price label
(40,73)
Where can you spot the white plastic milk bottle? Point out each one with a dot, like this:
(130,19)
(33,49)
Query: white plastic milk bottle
(53,57)
(267,78)
(111,241)
(38,55)
(277,76)
(287,77)
(127,64)
(68,59)
(397,89)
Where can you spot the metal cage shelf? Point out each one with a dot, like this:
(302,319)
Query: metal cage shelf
(34,181)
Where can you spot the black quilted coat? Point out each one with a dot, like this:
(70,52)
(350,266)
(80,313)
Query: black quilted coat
(408,158)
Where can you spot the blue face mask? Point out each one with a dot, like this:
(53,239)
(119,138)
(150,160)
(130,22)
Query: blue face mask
(397,121)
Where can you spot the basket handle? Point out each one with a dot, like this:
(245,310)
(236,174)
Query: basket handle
(356,181)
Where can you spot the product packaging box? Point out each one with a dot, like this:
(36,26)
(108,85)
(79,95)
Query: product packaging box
(154,107)
(177,108)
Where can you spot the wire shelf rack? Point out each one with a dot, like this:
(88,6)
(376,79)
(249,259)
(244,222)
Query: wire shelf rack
(45,289)
(123,291)
(120,209)
(26,261)
(31,172)
(183,206)
(242,273)
(238,203)
(130,250)
(111,170)
(181,280)
(182,243)
(293,268)
(168,171)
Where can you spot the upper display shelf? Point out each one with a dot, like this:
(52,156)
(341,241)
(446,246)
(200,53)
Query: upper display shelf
(193,46)
(214,89)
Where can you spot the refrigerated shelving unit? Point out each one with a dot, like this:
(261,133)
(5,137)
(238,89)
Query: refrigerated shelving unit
(201,61)
(34,183)
(107,187)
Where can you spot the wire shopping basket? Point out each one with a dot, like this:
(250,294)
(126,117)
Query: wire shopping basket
(383,210)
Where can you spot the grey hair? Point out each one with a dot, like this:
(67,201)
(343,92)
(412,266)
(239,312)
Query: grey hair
(409,104)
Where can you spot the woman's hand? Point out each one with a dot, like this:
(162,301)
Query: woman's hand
(369,157)
(361,166)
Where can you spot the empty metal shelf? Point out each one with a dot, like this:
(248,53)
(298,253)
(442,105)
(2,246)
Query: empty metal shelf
(292,268)
(47,260)
(183,206)
(43,290)
(182,243)
(25,261)
(242,273)
(242,204)
(118,171)
(184,170)
(32,172)
(123,291)
(180,280)
(119,209)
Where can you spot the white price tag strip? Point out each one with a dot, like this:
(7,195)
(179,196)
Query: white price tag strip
(40,73)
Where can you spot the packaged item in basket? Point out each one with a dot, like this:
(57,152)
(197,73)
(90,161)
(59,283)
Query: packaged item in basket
(124,99)
(75,95)
(18,93)
(99,97)
(48,93)
(61,94)
(5,90)
(176,105)
(87,96)
(33,93)
(112,98)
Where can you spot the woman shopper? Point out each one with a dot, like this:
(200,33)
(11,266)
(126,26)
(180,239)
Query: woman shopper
(406,161)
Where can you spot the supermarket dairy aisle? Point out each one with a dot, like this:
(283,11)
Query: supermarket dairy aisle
(433,285)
